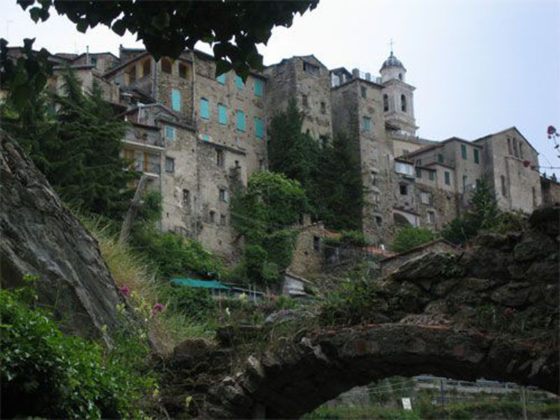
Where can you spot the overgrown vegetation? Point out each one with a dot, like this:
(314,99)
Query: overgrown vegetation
(329,173)
(75,142)
(410,237)
(265,214)
(483,215)
(347,238)
(48,374)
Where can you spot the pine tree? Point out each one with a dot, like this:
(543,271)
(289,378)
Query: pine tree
(87,169)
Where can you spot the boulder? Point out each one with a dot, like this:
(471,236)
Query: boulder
(41,237)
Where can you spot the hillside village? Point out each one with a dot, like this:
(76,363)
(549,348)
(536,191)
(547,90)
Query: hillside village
(190,131)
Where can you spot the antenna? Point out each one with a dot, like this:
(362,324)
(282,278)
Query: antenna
(391,45)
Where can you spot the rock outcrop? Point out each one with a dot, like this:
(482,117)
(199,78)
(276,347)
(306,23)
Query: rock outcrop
(41,237)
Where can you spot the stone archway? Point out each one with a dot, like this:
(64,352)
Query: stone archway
(403,219)
(299,377)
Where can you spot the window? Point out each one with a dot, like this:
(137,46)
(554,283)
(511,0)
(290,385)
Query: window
(431,217)
(239,82)
(166,65)
(169,164)
(222,114)
(374,178)
(378,220)
(316,243)
(311,69)
(169,132)
(175,100)
(418,173)
(223,195)
(212,216)
(464,151)
(403,103)
(222,219)
(432,175)
(440,158)
(146,67)
(514,142)
(363,91)
(425,198)
(400,76)
(404,168)
(182,71)
(304,101)
(204,109)
(405,152)
(222,79)
(385,103)
(131,75)
(476,156)
(220,158)
(447,178)
(375,197)
(323,108)
(93,61)
(464,183)
(509,146)
(240,120)
(403,189)
(258,86)
(259,128)
(503,181)
(186,198)
(366,121)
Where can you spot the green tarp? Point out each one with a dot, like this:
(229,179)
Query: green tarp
(209,284)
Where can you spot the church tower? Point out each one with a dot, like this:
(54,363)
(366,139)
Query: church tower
(398,97)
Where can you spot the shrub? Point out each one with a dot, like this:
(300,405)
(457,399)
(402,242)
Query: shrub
(47,374)
(195,303)
(410,237)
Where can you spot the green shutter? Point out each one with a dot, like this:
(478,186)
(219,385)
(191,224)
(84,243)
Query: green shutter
(464,151)
(222,79)
(240,120)
(476,156)
(239,82)
(204,109)
(258,87)
(222,114)
(259,129)
(175,100)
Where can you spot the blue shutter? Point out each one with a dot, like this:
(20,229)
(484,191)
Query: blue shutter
(222,79)
(169,132)
(175,100)
(239,82)
(240,120)
(258,87)
(259,128)
(204,109)
(222,114)
(205,137)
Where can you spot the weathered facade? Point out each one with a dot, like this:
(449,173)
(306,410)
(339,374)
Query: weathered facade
(194,135)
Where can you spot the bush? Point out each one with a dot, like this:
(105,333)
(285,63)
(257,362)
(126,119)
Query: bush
(195,303)
(410,237)
(348,238)
(47,374)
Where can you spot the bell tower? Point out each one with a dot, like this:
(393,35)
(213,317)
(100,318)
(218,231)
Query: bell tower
(398,96)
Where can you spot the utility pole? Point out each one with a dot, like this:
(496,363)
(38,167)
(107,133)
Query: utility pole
(524,402)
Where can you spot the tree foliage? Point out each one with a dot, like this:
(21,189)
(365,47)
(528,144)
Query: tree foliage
(330,174)
(264,214)
(410,237)
(232,28)
(483,214)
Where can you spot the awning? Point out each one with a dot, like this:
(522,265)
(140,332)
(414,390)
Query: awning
(208,284)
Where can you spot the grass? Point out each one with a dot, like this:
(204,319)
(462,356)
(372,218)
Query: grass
(128,269)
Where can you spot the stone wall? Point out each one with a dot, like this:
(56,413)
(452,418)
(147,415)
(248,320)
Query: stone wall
(308,254)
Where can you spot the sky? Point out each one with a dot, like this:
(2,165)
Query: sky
(479,66)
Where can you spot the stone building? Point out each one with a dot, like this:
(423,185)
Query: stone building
(194,135)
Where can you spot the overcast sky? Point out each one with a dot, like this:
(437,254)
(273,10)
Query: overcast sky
(479,66)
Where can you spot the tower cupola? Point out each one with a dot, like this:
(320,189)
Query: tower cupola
(392,68)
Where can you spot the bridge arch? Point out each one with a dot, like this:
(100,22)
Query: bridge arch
(298,377)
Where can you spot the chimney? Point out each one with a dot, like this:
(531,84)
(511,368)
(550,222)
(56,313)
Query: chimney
(356,73)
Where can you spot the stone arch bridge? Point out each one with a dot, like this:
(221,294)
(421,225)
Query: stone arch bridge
(492,312)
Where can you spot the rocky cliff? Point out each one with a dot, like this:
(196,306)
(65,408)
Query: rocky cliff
(40,236)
